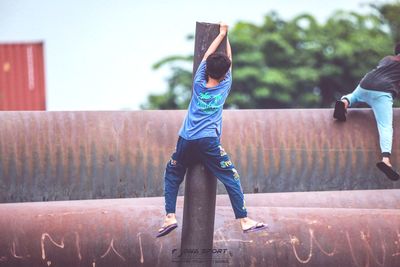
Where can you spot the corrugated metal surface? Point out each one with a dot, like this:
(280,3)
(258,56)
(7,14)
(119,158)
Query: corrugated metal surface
(22,80)
(104,233)
(85,155)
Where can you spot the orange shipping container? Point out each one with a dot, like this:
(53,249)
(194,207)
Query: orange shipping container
(22,85)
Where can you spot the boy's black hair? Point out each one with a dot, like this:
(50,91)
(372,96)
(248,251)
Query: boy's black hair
(218,65)
(397,49)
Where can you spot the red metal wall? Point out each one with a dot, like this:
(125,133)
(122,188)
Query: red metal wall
(22,84)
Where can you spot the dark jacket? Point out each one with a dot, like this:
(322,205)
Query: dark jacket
(385,77)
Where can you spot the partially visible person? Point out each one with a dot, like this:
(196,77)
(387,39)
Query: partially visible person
(377,89)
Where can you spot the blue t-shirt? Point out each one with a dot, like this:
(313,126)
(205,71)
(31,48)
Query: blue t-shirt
(204,117)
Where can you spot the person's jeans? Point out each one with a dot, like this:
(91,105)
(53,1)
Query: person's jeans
(381,104)
(210,153)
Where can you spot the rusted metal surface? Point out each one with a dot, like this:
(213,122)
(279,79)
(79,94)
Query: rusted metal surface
(122,233)
(358,199)
(198,212)
(84,155)
(354,199)
(22,79)
(200,185)
(205,34)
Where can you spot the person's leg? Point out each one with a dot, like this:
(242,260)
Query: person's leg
(174,175)
(358,95)
(216,160)
(382,106)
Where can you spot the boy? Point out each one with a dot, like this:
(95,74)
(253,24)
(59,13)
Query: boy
(199,137)
(377,89)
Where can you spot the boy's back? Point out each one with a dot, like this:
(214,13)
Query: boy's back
(385,77)
(204,117)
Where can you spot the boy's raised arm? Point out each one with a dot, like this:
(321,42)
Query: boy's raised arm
(223,30)
(229,50)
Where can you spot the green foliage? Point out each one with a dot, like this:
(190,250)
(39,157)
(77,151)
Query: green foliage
(390,14)
(178,94)
(299,63)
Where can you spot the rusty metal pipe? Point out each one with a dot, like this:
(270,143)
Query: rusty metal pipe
(198,212)
(354,199)
(84,155)
(100,233)
(200,185)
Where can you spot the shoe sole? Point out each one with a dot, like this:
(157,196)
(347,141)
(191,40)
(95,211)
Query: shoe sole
(388,171)
(340,111)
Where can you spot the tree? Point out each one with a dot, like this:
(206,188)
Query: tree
(298,63)
(390,15)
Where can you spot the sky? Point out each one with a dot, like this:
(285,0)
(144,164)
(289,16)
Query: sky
(99,54)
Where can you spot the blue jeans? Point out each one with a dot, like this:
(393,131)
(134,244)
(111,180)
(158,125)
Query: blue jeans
(210,153)
(381,104)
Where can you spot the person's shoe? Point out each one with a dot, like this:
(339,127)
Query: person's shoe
(340,111)
(388,171)
(257,227)
(166,229)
